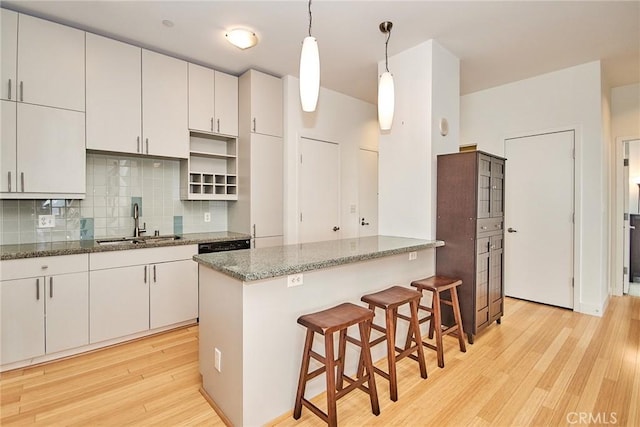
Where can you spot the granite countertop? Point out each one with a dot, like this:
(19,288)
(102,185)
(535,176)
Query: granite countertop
(32,250)
(255,264)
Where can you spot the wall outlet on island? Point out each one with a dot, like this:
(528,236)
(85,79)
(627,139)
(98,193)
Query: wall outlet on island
(46,221)
(207,217)
(413,255)
(294,280)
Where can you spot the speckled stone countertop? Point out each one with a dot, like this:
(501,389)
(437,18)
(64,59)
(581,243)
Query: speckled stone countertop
(32,250)
(255,264)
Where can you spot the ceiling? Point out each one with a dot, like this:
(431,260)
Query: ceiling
(497,41)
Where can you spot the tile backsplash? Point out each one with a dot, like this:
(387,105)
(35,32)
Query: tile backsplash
(114,183)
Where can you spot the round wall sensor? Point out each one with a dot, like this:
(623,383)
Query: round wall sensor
(444,127)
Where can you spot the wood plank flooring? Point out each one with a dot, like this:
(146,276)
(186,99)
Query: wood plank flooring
(542,366)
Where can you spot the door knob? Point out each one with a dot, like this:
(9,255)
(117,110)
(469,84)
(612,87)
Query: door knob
(512,230)
(364,223)
(336,228)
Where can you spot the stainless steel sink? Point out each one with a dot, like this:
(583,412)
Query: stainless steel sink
(138,240)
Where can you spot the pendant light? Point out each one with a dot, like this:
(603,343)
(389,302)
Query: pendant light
(386,90)
(309,71)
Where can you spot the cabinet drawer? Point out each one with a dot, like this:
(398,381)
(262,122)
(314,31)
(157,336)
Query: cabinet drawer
(487,225)
(43,266)
(124,258)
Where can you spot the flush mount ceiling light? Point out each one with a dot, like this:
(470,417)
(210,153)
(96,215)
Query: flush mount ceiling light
(309,71)
(242,38)
(386,92)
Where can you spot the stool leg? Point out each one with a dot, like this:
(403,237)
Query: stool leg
(458,317)
(391,354)
(365,357)
(437,326)
(342,345)
(415,326)
(330,363)
(302,381)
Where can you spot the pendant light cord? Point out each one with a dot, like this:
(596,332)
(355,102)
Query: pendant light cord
(386,48)
(310,18)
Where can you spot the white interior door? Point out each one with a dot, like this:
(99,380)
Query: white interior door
(626,230)
(539,207)
(368,193)
(319,198)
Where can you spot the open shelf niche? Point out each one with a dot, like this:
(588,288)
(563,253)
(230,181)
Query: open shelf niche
(210,172)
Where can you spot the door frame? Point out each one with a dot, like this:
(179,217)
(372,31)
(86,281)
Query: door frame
(577,203)
(617,235)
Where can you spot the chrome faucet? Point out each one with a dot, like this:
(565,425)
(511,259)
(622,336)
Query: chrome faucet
(136,224)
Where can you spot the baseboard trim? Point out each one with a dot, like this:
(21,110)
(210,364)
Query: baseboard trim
(215,407)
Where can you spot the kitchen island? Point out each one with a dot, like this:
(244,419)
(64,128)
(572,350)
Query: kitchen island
(250,301)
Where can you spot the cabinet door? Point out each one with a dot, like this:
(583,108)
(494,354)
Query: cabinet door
(482,282)
(118,302)
(164,105)
(266,185)
(9,54)
(497,187)
(50,150)
(8,181)
(67,310)
(201,94)
(22,314)
(266,104)
(173,292)
(50,64)
(496,291)
(484,186)
(114,108)
(226,104)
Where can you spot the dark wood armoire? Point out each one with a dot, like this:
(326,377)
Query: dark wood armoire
(470,219)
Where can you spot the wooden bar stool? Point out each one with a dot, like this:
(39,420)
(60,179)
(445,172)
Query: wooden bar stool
(390,300)
(326,323)
(437,285)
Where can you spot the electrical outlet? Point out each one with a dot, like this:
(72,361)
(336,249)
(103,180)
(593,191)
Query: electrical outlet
(217,362)
(413,255)
(294,280)
(207,217)
(46,221)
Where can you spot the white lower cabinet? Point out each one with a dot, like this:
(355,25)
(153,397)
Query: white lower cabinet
(43,313)
(130,293)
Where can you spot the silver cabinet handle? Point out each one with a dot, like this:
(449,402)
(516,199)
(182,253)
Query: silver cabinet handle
(9,181)
(211,124)
(154,274)
(138,142)
(145,274)
(37,289)
(218,121)
(22,180)
(21,92)
(147,142)
(51,287)
(254,124)
(9,97)
(254,230)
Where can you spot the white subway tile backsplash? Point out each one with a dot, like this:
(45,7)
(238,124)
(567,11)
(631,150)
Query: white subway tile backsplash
(112,182)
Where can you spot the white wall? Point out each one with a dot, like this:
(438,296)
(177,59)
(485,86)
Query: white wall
(338,118)
(427,88)
(565,99)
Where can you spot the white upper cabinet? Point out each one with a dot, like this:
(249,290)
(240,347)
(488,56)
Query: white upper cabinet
(9,54)
(8,169)
(267,199)
(164,105)
(226,104)
(51,155)
(213,101)
(265,104)
(114,103)
(50,64)
(201,94)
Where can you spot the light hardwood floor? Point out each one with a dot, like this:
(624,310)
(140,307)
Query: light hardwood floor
(542,366)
